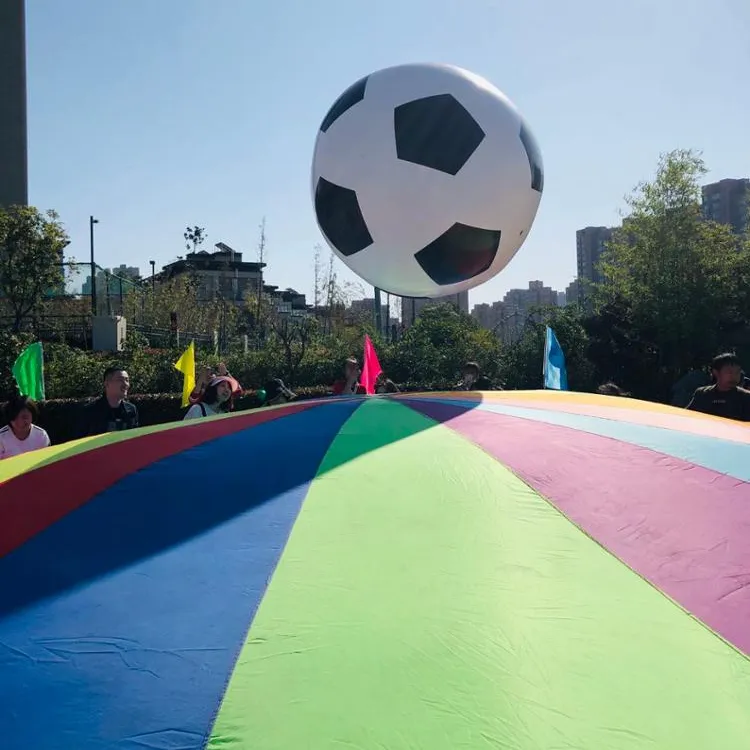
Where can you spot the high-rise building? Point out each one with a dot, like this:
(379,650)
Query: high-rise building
(590,245)
(509,317)
(363,310)
(116,278)
(523,300)
(728,202)
(412,306)
(489,316)
(573,293)
(14,176)
(127,272)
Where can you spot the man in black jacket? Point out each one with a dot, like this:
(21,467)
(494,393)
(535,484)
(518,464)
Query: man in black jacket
(110,412)
(725,398)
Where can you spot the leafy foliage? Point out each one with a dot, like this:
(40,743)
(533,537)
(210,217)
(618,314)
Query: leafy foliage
(676,292)
(31,251)
(180,296)
(59,417)
(677,285)
(294,336)
(194,237)
(521,362)
(434,350)
(11,345)
(432,353)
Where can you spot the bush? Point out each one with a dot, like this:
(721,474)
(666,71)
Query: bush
(11,345)
(429,357)
(59,417)
(434,350)
(75,373)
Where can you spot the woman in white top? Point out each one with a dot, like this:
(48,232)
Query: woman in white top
(21,435)
(216,399)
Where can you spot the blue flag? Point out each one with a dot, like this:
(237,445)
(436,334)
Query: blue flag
(555,374)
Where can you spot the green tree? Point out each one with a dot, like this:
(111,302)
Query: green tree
(620,351)
(295,337)
(182,295)
(332,295)
(681,282)
(434,350)
(31,252)
(521,362)
(194,237)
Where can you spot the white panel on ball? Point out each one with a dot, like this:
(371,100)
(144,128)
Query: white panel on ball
(425,179)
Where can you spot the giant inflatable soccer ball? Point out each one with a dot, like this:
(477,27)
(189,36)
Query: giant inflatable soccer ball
(426,179)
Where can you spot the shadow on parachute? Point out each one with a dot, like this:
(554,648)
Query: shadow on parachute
(261,469)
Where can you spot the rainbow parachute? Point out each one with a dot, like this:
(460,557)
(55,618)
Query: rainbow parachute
(531,571)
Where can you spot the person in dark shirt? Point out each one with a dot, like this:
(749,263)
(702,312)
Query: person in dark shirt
(473,380)
(385,385)
(110,412)
(277,393)
(724,398)
(611,389)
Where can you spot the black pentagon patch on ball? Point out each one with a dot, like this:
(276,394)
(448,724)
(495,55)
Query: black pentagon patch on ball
(534,156)
(340,218)
(436,132)
(459,254)
(353,95)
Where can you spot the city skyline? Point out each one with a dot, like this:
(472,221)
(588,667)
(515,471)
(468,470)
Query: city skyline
(726,201)
(172,136)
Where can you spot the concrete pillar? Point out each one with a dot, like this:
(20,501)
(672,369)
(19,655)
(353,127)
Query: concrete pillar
(14,174)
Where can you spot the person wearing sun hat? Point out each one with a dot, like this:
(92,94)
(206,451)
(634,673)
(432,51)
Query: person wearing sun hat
(205,377)
(216,398)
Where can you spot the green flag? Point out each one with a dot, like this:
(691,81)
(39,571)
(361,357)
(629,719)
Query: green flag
(28,371)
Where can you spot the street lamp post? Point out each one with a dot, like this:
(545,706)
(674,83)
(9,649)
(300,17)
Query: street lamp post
(92,221)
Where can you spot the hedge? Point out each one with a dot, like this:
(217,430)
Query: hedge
(59,417)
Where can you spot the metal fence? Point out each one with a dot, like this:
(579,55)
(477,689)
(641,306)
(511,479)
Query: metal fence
(163,338)
(66,315)
(111,291)
(70,329)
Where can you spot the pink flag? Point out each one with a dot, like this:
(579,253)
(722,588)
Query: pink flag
(371,368)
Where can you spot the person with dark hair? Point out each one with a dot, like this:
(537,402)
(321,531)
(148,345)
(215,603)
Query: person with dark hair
(21,435)
(611,389)
(385,385)
(277,393)
(349,385)
(207,374)
(111,412)
(217,398)
(725,398)
(473,380)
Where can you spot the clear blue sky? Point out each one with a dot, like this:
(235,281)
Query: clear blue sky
(155,114)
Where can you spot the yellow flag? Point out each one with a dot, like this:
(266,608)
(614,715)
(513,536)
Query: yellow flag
(186,365)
